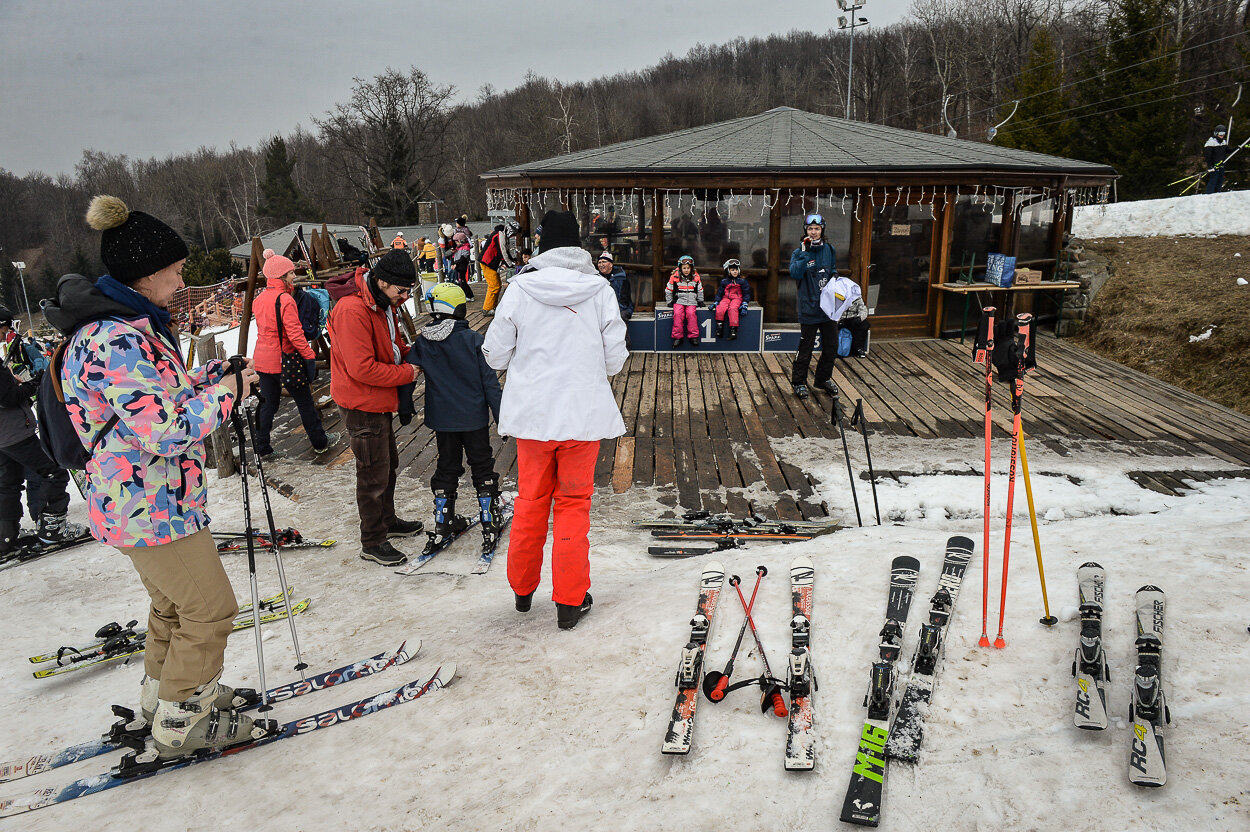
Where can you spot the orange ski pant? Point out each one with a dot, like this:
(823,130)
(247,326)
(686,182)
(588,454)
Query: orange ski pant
(562,473)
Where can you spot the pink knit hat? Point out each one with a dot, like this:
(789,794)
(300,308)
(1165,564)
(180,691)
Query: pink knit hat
(276,265)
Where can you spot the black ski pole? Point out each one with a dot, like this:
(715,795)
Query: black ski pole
(771,700)
(838,417)
(236,418)
(250,404)
(715,684)
(858,419)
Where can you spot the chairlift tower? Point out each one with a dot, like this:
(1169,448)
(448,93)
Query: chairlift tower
(850,21)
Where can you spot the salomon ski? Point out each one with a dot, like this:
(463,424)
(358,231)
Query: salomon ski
(313,722)
(690,670)
(863,794)
(1148,712)
(131,643)
(800,741)
(1090,665)
(128,727)
(908,730)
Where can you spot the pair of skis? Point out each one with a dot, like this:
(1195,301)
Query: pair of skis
(983,353)
(800,754)
(416,689)
(890,732)
(288,538)
(1148,710)
(729,533)
(28,547)
(439,544)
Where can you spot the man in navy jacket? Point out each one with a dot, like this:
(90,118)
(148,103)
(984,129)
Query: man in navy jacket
(812,265)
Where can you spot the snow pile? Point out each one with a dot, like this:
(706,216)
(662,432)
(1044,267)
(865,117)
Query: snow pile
(1205,335)
(551,730)
(1200,214)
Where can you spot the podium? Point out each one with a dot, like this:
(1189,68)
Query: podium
(750,331)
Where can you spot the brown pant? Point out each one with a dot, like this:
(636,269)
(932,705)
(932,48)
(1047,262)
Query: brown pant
(193,610)
(377,461)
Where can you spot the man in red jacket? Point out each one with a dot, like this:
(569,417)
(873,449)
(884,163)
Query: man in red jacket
(366,370)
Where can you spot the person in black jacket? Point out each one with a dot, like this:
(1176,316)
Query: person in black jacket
(619,281)
(1214,152)
(461,394)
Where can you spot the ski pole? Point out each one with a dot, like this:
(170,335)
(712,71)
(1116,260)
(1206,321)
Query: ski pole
(1049,620)
(838,417)
(249,405)
(983,353)
(237,364)
(1022,347)
(715,685)
(772,698)
(859,419)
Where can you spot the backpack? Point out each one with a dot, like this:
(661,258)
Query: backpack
(491,256)
(57,436)
(309,308)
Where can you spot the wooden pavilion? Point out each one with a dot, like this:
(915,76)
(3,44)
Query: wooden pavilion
(905,210)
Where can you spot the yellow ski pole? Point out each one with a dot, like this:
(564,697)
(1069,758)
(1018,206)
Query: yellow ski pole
(1049,620)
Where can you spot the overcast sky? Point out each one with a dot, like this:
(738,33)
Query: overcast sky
(155,77)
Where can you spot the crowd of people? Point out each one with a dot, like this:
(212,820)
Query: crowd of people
(142,415)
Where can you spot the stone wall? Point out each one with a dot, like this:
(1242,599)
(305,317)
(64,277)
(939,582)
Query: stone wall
(1090,270)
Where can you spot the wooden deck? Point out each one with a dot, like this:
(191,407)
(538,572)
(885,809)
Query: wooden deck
(699,425)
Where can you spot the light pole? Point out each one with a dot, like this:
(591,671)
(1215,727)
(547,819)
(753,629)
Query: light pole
(20,265)
(849,21)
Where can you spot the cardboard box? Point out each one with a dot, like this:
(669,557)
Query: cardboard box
(1028,277)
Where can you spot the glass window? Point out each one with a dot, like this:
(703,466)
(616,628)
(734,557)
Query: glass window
(1035,224)
(616,221)
(978,229)
(898,277)
(839,215)
(713,226)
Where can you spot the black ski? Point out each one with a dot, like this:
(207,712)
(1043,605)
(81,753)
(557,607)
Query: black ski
(863,794)
(28,547)
(693,551)
(907,732)
(1090,665)
(1149,710)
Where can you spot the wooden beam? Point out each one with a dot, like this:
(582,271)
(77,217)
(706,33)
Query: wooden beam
(223,452)
(253,269)
(657,249)
(944,232)
(861,233)
(773,287)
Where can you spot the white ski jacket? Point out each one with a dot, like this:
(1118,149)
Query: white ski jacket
(559,334)
(838,296)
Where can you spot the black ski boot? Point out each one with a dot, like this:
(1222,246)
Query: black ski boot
(720,329)
(694,342)
(733,333)
(54,528)
(567,615)
(828,386)
(8,536)
(677,342)
(490,508)
(800,390)
(447,524)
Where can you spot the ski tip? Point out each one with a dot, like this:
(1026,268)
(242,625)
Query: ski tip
(905,562)
(1089,564)
(960,542)
(1150,588)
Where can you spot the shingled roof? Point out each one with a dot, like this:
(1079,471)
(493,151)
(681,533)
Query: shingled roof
(784,140)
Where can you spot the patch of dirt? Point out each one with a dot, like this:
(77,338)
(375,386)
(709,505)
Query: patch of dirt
(1162,292)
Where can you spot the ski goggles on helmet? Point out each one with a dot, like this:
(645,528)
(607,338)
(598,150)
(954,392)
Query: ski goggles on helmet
(685,258)
(814,219)
(732,263)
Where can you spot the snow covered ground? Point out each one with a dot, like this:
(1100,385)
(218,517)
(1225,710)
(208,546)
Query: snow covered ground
(1204,215)
(551,730)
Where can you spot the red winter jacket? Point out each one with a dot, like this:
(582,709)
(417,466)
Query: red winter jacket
(267,355)
(364,374)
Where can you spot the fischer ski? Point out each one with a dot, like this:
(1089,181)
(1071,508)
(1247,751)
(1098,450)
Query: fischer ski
(416,689)
(1148,711)
(130,643)
(801,680)
(113,629)
(1089,667)
(681,726)
(113,740)
(862,804)
(907,733)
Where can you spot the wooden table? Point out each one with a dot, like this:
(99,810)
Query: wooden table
(969,289)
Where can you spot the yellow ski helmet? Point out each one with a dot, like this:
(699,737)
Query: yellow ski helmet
(445,298)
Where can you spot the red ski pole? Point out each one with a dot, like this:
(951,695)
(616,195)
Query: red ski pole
(715,683)
(984,354)
(772,698)
(1023,323)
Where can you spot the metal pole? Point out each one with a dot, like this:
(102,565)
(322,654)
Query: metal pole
(30,321)
(850,64)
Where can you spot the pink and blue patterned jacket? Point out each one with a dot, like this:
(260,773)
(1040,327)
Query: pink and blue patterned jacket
(146,478)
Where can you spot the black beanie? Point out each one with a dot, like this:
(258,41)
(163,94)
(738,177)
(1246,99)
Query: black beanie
(559,230)
(6,317)
(133,244)
(395,267)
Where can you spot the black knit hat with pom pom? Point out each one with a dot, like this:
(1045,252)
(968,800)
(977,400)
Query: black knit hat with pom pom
(133,244)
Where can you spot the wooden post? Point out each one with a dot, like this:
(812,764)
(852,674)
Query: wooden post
(657,249)
(408,323)
(332,249)
(375,235)
(253,269)
(316,257)
(223,453)
(1058,225)
(861,233)
(946,229)
(773,288)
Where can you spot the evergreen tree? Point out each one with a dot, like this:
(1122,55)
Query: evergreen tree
(1040,125)
(1127,122)
(207,268)
(281,200)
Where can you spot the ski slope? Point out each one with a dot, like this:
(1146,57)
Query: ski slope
(551,730)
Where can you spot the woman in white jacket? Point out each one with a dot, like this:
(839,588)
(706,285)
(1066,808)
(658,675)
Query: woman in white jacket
(560,336)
